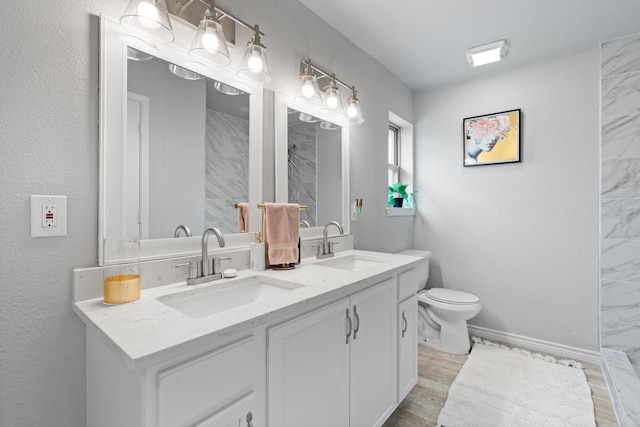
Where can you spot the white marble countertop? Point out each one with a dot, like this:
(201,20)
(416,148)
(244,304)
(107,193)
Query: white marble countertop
(147,332)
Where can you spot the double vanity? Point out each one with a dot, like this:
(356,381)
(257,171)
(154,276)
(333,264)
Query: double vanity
(331,342)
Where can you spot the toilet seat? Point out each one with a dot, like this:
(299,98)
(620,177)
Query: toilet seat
(449,296)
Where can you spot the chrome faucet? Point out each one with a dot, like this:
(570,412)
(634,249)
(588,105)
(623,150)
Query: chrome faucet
(187,231)
(206,271)
(304,224)
(327,247)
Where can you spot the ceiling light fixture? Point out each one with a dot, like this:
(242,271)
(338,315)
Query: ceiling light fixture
(210,45)
(309,93)
(487,53)
(149,19)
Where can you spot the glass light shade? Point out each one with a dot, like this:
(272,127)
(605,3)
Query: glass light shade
(308,91)
(357,120)
(353,108)
(255,65)
(149,19)
(137,55)
(328,125)
(209,45)
(226,89)
(332,101)
(307,118)
(185,73)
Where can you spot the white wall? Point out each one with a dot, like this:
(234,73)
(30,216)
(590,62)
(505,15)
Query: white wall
(49,145)
(524,236)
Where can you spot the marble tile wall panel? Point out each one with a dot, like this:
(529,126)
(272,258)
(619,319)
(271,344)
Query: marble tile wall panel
(620,95)
(303,182)
(226,170)
(621,136)
(620,260)
(620,219)
(620,56)
(622,337)
(620,302)
(620,178)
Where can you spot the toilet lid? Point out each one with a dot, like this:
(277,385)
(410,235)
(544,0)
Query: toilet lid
(452,296)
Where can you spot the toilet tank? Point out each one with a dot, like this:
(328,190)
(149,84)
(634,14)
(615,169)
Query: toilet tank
(423,268)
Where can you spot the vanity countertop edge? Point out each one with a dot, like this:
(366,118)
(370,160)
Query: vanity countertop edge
(147,332)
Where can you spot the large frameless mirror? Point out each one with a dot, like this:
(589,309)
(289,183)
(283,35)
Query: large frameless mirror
(180,149)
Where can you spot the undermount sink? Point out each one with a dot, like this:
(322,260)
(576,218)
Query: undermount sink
(351,262)
(217,298)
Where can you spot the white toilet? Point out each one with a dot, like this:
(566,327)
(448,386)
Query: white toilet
(443,314)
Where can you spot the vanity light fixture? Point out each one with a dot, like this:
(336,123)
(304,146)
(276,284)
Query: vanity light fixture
(332,103)
(487,53)
(149,19)
(210,45)
(308,90)
(353,105)
(332,99)
(254,63)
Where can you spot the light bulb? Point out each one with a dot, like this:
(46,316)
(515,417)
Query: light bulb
(150,14)
(332,100)
(352,110)
(210,40)
(255,62)
(307,88)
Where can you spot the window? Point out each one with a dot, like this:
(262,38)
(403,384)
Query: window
(394,153)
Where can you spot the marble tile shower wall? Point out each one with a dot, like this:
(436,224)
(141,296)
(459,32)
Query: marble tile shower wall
(302,177)
(226,170)
(620,197)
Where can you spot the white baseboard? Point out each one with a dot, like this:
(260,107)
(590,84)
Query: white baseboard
(536,345)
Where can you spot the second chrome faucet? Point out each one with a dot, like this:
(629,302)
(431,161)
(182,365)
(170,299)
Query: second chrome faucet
(206,268)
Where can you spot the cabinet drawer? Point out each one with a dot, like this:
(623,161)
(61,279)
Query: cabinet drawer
(188,391)
(408,283)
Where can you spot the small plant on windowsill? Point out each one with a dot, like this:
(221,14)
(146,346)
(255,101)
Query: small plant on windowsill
(397,194)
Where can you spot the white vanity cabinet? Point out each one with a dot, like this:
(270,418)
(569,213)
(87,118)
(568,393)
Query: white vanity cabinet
(214,388)
(335,365)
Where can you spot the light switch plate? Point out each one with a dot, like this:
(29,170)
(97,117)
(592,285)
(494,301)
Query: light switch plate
(48,216)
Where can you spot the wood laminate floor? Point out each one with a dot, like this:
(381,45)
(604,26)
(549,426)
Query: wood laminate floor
(436,372)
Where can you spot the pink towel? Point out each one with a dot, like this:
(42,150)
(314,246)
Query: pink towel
(280,232)
(243,217)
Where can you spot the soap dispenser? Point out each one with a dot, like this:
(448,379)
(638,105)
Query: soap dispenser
(257,253)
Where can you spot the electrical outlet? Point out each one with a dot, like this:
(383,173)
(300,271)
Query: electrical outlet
(48,216)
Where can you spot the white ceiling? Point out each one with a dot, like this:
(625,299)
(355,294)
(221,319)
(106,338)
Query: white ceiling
(423,42)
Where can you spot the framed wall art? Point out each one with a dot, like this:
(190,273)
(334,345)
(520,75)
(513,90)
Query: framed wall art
(491,139)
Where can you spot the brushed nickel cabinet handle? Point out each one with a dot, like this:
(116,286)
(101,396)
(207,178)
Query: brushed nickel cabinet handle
(357,321)
(405,324)
(350,325)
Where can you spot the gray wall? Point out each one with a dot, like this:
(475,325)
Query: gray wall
(176,146)
(49,145)
(521,236)
(620,197)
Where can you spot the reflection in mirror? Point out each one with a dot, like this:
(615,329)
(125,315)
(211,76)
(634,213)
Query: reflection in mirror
(314,167)
(187,160)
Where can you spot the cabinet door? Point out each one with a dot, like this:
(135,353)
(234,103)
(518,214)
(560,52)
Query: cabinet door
(308,370)
(373,355)
(407,346)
